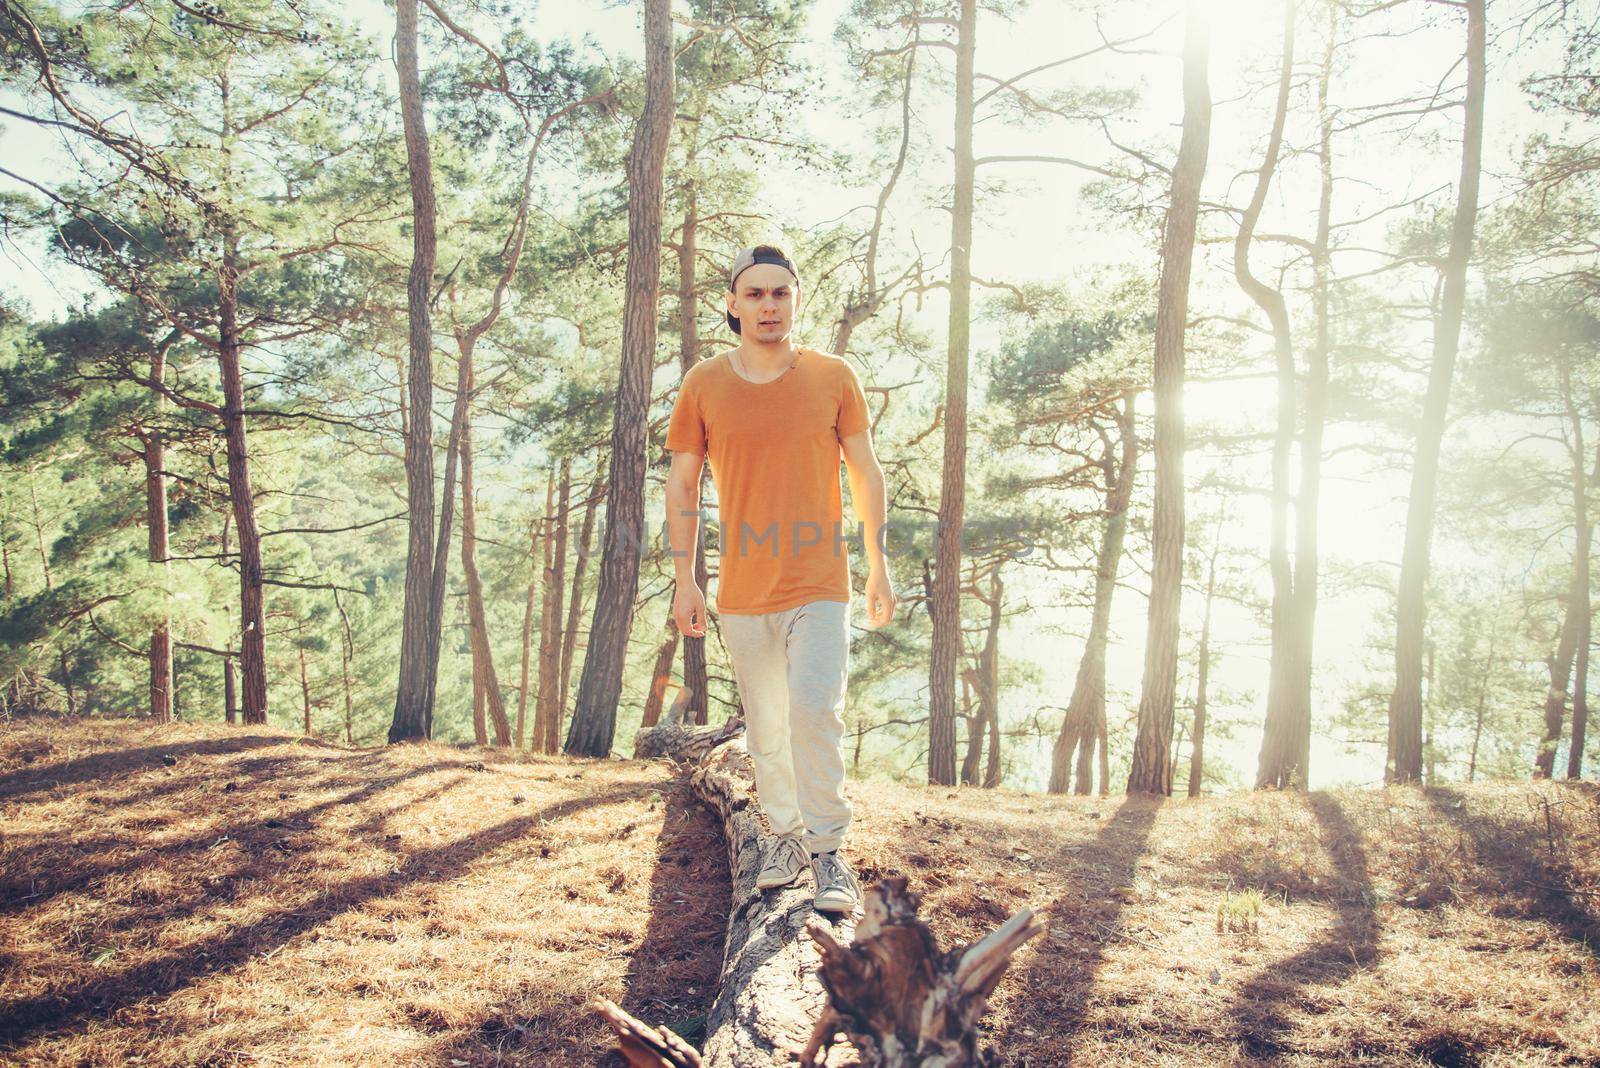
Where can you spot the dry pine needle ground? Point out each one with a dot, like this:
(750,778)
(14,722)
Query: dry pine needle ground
(203,895)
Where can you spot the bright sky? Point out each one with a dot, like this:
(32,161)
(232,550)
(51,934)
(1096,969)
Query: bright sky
(1039,229)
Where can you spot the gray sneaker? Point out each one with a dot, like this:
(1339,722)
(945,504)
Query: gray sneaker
(838,890)
(785,860)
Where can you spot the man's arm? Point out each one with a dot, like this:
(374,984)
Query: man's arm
(868,496)
(683,533)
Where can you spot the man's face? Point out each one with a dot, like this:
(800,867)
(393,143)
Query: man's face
(765,303)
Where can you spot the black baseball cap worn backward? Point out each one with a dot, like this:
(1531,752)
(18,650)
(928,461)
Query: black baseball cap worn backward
(749,257)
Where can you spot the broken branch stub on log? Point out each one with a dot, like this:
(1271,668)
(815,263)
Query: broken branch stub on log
(670,738)
(643,1046)
(899,999)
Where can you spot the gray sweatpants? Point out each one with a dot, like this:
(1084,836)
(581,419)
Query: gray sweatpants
(792,667)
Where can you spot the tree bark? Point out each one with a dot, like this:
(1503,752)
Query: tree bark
(1404,759)
(594,718)
(946,604)
(480,721)
(1084,723)
(411,711)
(1151,771)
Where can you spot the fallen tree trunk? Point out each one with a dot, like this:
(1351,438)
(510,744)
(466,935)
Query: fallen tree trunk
(885,984)
(768,995)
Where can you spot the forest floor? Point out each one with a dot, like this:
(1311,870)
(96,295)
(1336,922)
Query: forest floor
(203,895)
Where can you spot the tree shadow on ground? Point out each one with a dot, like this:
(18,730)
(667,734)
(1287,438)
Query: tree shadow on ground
(1524,871)
(1262,1007)
(672,973)
(53,864)
(118,763)
(78,1001)
(1083,919)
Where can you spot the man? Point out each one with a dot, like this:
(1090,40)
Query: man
(774,418)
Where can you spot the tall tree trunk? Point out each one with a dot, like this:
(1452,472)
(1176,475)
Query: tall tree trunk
(1303,610)
(480,721)
(1151,771)
(661,676)
(252,603)
(1574,626)
(555,581)
(1483,704)
(569,641)
(411,711)
(1429,753)
(230,685)
(1285,743)
(49,583)
(1580,684)
(594,718)
(305,690)
(1197,755)
(694,648)
(5,545)
(973,722)
(1085,720)
(984,678)
(1404,759)
(485,679)
(1559,665)
(155,495)
(441,547)
(991,678)
(1580,696)
(539,530)
(946,604)
(346,654)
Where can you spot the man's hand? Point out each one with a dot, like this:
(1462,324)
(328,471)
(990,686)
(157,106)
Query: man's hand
(881,599)
(689,610)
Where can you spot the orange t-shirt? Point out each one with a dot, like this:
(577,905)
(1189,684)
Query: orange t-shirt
(775,451)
